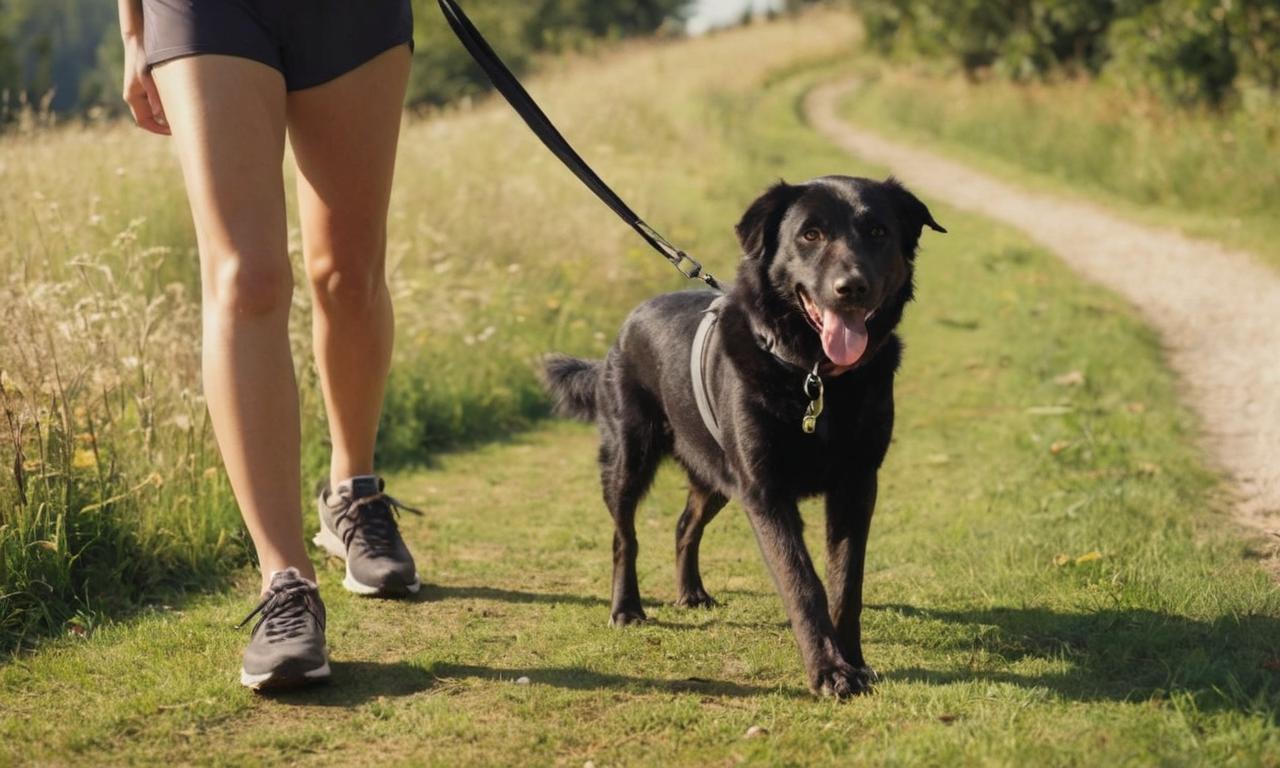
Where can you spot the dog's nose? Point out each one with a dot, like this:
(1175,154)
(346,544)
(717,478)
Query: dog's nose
(853,286)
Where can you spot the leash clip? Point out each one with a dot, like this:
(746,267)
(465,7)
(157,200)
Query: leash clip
(813,389)
(694,269)
(533,116)
(683,262)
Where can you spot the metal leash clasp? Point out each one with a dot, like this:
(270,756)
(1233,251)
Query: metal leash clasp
(813,390)
(680,259)
(683,262)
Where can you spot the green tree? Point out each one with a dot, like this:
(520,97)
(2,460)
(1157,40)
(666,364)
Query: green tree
(52,45)
(1198,50)
(70,48)
(1190,51)
(518,30)
(9,81)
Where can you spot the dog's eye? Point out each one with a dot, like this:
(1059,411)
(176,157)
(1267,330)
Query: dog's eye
(878,231)
(812,235)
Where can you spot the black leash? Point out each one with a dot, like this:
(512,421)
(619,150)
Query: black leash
(542,127)
(545,130)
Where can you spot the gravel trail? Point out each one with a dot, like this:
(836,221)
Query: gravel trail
(1217,311)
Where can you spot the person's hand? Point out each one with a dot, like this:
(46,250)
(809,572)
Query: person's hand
(140,90)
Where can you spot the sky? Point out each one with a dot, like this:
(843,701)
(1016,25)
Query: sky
(709,14)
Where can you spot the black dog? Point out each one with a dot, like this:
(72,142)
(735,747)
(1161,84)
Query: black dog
(826,273)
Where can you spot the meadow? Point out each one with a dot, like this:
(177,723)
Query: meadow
(1212,173)
(112,489)
(1052,574)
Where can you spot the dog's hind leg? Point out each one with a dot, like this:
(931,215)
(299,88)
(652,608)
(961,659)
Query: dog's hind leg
(703,505)
(628,463)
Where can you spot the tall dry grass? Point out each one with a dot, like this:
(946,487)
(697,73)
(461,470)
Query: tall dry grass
(112,492)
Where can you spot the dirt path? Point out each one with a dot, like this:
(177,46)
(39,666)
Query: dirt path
(1217,311)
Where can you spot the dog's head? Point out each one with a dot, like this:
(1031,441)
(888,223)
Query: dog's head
(838,252)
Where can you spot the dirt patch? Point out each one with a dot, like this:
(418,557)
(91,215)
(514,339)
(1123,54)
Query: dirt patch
(1217,311)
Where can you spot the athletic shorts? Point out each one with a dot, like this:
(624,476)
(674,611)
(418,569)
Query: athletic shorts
(309,41)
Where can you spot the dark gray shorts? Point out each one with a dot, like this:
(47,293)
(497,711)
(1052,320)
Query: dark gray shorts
(309,41)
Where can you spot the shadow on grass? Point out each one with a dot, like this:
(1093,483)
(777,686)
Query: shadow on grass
(356,682)
(696,618)
(433,592)
(1116,655)
(573,678)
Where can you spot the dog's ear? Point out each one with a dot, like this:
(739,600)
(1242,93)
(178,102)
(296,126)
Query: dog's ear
(758,229)
(913,214)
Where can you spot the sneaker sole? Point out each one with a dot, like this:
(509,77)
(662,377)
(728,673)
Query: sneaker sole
(270,681)
(329,542)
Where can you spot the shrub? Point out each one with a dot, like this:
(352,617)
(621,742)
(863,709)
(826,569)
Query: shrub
(1188,51)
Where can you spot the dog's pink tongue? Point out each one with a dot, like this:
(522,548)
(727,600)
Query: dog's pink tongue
(843,340)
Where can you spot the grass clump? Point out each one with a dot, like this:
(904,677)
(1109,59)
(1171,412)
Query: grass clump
(110,494)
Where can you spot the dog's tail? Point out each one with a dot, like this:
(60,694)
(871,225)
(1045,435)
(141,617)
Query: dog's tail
(572,384)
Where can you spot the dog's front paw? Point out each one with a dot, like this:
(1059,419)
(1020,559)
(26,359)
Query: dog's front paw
(842,680)
(625,616)
(868,672)
(697,598)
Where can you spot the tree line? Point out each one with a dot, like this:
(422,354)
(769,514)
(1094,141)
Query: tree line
(66,56)
(1191,52)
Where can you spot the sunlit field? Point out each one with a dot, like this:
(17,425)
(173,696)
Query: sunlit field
(1052,576)
(1214,174)
(497,255)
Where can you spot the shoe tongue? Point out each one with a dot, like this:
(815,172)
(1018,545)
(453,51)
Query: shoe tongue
(359,486)
(290,575)
(843,339)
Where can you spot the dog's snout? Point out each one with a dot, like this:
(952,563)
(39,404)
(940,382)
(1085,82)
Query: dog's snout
(853,286)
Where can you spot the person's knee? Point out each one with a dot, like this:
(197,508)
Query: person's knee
(242,286)
(348,276)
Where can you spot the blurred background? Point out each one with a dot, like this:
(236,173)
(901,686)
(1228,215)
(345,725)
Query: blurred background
(65,55)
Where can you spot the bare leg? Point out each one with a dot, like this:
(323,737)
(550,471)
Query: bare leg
(344,136)
(227,115)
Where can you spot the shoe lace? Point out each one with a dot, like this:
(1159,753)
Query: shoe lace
(284,611)
(374,518)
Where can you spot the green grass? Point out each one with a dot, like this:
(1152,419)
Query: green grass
(1051,578)
(1209,174)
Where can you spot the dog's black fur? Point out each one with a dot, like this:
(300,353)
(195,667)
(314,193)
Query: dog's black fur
(641,397)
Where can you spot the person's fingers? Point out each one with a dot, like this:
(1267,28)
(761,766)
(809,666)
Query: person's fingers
(153,102)
(141,95)
(140,107)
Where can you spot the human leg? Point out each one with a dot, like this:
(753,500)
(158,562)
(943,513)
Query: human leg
(344,135)
(227,115)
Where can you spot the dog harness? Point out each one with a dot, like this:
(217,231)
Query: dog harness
(697,367)
(813,385)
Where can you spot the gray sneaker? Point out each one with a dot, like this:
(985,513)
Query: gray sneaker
(286,647)
(358,524)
